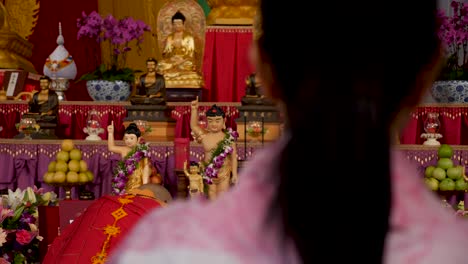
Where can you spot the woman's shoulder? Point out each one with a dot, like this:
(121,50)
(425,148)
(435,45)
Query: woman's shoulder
(422,229)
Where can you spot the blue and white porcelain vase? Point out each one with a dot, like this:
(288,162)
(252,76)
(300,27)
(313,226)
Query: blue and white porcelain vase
(454,91)
(101,90)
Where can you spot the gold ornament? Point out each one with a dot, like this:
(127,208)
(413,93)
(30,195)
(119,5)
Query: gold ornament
(22,16)
(17,21)
(231,12)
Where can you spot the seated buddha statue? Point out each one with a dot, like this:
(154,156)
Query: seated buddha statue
(253,94)
(178,63)
(43,106)
(150,86)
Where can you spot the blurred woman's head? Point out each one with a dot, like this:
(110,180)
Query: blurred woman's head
(365,50)
(343,79)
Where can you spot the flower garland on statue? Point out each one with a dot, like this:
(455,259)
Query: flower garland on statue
(127,166)
(219,155)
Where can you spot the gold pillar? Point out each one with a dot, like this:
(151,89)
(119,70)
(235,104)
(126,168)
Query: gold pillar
(146,10)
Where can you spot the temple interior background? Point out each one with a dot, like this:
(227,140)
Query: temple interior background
(225,68)
(88,54)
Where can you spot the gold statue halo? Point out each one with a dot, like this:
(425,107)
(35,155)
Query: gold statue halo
(17,22)
(22,16)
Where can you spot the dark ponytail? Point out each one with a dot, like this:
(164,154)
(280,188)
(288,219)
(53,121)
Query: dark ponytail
(341,96)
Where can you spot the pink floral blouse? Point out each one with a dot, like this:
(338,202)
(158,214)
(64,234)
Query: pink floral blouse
(231,229)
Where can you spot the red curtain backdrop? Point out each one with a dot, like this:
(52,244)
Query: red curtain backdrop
(226,63)
(86,53)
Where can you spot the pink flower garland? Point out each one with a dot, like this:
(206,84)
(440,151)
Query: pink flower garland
(219,155)
(127,166)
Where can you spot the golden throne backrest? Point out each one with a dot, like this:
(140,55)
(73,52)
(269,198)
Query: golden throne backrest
(195,24)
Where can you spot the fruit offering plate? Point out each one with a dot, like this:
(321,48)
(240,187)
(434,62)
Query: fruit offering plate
(450,193)
(67,186)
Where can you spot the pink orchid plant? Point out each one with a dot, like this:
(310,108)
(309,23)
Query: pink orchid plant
(453,33)
(119,34)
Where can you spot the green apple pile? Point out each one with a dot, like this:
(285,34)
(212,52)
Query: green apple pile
(68,167)
(445,176)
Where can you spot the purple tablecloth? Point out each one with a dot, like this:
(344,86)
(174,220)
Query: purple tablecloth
(23,163)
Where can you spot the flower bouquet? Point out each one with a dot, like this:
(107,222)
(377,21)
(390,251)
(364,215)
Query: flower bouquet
(255,129)
(19,233)
(27,129)
(27,126)
(143,126)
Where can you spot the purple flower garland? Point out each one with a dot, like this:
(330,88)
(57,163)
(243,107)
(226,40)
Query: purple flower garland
(219,155)
(127,166)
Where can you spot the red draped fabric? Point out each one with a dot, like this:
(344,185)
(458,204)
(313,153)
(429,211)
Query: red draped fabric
(85,52)
(182,116)
(10,115)
(453,124)
(226,63)
(73,118)
(89,228)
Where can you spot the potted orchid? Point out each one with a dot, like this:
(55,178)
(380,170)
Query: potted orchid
(452,84)
(453,33)
(19,233)
(119,35)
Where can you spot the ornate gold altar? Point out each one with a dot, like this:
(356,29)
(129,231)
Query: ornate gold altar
(232,12)
(17,21)
(186,48)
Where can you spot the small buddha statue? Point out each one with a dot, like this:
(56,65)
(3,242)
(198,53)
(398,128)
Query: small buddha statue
(44,104)
(253,95)
(196,187)
(150,86)
(178,64)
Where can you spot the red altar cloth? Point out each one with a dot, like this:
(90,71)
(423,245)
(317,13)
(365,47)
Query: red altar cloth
(72,117)
(453,119)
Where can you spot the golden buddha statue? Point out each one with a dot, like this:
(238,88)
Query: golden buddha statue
(181,35)
(17,21)
(231,12)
